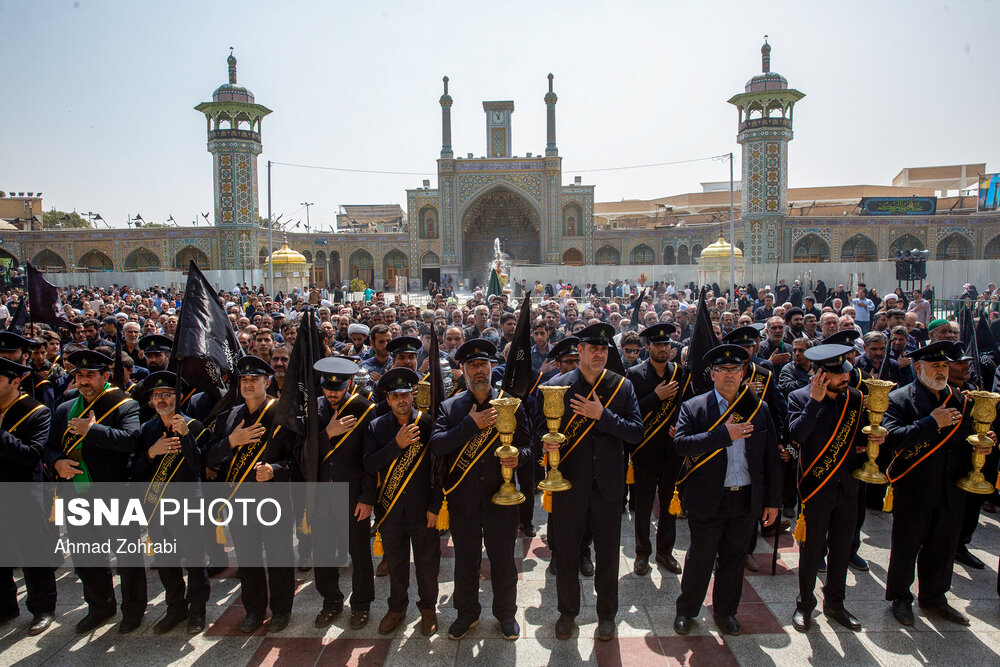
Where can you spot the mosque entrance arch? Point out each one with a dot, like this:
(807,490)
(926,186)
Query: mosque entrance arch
(500,213)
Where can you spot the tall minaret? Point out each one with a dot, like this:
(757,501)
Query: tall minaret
(765,128)
(550,121)
(445,100)
(234,141)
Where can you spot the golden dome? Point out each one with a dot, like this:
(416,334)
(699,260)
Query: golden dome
(285,255)
(721,249)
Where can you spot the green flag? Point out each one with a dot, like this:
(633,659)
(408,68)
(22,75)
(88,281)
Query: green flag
(494,287)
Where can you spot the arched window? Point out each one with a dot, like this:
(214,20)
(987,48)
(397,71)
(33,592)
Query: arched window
(858,248)
(811,248)
(992,249)
(668,255)
(188,254)
(572,257)
(142,259)
(696,251)
(47,260)
(95,260)
(572,220)
(428,223)
(642,254)
(682,255)
(904,242)
(954,246)
(607,255)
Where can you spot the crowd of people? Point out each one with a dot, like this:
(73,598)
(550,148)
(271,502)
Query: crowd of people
(739,416)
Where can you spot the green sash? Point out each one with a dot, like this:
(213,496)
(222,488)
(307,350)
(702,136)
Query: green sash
(822,468)
(107,402)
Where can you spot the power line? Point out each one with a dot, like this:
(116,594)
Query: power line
(424,173)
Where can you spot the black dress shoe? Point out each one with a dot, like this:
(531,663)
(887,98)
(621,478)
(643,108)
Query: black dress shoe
(776,527)
(92,621)
(278,622)
(359,619)
(801,620)
(196,622)
(728,624)
(903,611)
(668,561)
(169,622)
(129,624)
(947,612)
(641,566)
(328,613)
(965,557)
(528,530)
(509,629)
(586,566)
(606,629)
(251,622)
(564,626)
(461,627)
(40,623)
(842,616)
(682,624)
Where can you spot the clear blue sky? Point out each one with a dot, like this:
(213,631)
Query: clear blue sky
(99,96)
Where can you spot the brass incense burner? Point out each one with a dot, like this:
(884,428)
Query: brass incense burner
(554,407)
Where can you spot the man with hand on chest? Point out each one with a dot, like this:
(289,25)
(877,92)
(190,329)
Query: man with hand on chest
(731,477)
(341,452)
(407,501)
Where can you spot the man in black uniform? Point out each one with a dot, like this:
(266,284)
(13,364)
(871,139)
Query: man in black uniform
(661,386)
(156,353)
(170,450)
(346,417)
(24,428)
(601,416)
(727,494)
(248,445)
(16,348)
(404,350)
(91,440)
(826,419)
(407,502)
(928,422)
(465,435)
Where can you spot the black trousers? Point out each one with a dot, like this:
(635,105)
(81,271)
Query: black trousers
(830,531)
(304,541)
(573,512)
(651,480)
(40,583)
(526,484)
(720,541)
(275,585)
(191,598)
(399,534)
(926,538)
(970,517)
(98,581)
(359,546)
(495,527)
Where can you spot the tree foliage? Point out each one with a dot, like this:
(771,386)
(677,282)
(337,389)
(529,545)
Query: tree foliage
(61,220)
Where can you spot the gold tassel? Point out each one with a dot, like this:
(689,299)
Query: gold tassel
(675,503)
(377,549)
(630,473)
(149,546)
(304,526)
(545,459)
(547,501)
(887,503)
(220,534)
(800,526)
(443,522)
(52,512)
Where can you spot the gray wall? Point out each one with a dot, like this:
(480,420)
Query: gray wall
(947,277)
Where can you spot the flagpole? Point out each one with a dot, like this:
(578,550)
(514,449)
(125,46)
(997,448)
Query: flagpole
(732,236)
(270,237)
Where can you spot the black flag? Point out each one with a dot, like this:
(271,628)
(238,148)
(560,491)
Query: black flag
(703,339)
(614,362)
(984,336)
(972,348)
(20,317)
(633,311)
(205,345)
(439,464)
(517,377)
(297,408)
(118,369)
(43,300)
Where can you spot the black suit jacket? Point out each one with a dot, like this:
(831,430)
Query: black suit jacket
(644,381)
(452,429)
(347,463)
(931,484)
(277,451)
(107,446)
(381,451)
(600,455)
(21,452)
(703,488)
(811,425)
(143,468)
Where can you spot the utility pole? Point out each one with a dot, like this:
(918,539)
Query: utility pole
(307,204)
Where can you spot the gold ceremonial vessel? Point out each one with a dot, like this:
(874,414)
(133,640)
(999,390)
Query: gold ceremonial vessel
(876,403)
(423,398)
(554,407)
(506,424)
(984,412)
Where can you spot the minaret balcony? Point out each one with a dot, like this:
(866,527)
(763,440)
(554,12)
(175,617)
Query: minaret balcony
(755,123)
(246,135)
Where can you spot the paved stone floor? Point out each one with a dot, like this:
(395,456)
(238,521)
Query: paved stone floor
(645,634)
